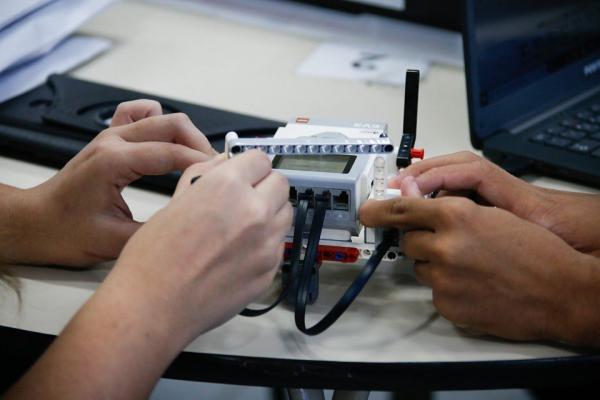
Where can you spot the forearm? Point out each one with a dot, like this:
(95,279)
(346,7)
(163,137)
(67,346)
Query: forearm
(117,346)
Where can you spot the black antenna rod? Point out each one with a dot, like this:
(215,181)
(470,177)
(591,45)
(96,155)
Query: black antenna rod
(411,102)
(409,130)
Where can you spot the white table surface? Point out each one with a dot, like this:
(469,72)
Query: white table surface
(213,62)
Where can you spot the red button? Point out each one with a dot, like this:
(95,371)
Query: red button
(417,153)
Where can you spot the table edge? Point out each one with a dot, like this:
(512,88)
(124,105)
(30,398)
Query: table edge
(20,349)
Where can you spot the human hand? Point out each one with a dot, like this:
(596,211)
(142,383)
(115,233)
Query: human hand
(79,217)
(494,272)
(218,244)
(574,217)
(196,263)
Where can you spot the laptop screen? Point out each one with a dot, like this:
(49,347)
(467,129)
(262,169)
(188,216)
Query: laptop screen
(523,56)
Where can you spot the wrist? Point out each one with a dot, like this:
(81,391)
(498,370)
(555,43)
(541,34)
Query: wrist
(579,321)
(32,230)
(151,298)
(535,204)
(17,227)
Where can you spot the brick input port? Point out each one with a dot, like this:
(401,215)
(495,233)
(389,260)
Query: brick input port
(293,195)
(308,195)
(341,201)
(324,196)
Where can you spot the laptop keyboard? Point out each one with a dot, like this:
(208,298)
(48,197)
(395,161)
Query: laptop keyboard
(578,132)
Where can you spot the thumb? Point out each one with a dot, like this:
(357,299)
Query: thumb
(400,212)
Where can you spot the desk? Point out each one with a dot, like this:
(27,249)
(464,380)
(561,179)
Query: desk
(213,62)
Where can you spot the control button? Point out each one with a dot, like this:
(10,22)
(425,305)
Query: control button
(417,153)
(584,146)
(540,137)
(555,141)
(553,130)
(573,135)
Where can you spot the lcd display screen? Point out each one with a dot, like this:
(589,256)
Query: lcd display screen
(337,164)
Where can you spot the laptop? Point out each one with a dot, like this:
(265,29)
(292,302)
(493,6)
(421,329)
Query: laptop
(533,85)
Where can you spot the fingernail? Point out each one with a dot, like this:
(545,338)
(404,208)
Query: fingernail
(395,182)
(410,188)
(221,156)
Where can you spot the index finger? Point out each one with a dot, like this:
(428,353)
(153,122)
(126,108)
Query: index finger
(493,184)
(251,167)
(175,128)
(135,110)
(417,169)
(401,212)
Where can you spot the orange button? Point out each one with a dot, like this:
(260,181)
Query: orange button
(417,153)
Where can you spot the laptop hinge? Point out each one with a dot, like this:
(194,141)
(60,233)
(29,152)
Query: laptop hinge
(513,164)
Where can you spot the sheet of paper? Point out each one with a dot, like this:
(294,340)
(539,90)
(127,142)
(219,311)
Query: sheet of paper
(358,64)
(68,54)
(398,5)
(393,36)
(41,30)
(13,10)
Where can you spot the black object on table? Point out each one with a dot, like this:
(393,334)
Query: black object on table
(53,122)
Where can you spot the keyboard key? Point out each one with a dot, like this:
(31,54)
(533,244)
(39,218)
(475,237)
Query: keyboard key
(594,120)
(585,146)
(553,130)
(595,107)
(596,153)
(595,136)
(589,128)
(572,134)
(556,141)
(568,123)
(540,137)
(583,114)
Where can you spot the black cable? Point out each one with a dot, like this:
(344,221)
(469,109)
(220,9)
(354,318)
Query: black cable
(301,271)
(299,223)
(389,238)
(310,259)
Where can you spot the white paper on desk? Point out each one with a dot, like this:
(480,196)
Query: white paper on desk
(68,54)
(327,25)
(345,62)
(13,10)
(44,28)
